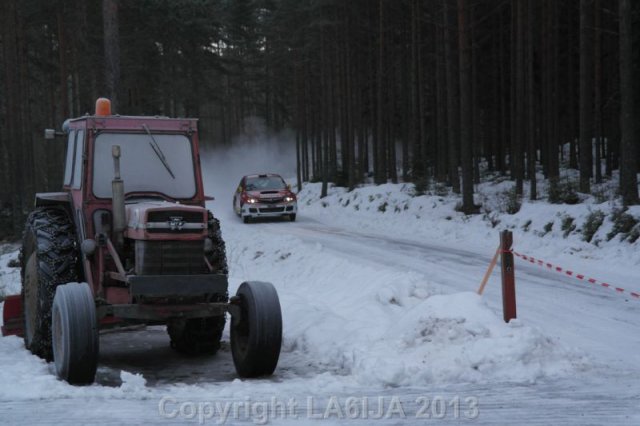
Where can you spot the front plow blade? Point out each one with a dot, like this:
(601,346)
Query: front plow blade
(12,316)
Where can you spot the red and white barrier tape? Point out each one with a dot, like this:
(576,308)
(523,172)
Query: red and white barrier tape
(570,273)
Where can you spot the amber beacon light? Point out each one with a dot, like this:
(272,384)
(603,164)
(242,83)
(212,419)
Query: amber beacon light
(103,107)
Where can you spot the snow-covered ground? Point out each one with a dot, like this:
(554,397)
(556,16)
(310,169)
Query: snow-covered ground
(379,308)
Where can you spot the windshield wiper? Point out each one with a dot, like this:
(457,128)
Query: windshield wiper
(158,151)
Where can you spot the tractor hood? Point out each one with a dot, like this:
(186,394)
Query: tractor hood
(162,220)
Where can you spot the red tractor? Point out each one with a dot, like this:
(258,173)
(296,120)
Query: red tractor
(129,241)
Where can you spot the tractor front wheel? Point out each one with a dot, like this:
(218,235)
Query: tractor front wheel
(256,333)
(74,334)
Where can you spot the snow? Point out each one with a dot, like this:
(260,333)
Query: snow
(9,277)
(377,288)
(433,217)
(383,327)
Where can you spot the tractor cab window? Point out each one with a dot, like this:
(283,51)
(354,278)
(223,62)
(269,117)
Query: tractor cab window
(78,160)
(162,164)
(68,170)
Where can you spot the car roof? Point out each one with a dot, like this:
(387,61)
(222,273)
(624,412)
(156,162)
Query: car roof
(263,175)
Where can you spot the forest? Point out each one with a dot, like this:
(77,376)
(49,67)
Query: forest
(428,92)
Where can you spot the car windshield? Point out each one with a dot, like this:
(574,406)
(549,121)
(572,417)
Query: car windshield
(141,169)
(265,183)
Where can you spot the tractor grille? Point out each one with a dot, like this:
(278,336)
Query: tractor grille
(189,220)
(170,257)
(165,216)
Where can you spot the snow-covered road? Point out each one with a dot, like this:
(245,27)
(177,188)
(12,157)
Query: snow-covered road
(369,317)
(602,323)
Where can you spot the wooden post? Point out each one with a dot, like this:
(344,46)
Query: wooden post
(489,270)
(508,277)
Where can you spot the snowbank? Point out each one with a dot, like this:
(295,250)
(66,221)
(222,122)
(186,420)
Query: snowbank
(389,328)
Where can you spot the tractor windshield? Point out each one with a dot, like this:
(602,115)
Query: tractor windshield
(140,168)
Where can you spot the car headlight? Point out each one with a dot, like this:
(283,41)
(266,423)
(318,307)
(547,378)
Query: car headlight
(289,199)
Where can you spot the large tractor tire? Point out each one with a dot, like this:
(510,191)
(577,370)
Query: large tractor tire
(49,258)
(74,334)
(218,258)
(256,335)
(202,335)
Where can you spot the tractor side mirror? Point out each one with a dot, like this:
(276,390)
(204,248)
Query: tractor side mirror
(239,190)
(52,134)
(289,186)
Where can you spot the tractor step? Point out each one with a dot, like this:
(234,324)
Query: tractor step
(12,316)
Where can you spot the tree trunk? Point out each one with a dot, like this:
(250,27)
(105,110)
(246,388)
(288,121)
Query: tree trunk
(571,102)
(441,95)
(586,94)
(597,82)
(628,161)
(380,154)
(531,100)
(519,137)
(453,110)
(466,118)
(111,51)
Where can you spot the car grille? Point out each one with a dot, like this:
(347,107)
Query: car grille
(272,210)
(271,200)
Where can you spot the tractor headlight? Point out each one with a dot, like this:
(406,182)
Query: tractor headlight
(288,199)
(252,200)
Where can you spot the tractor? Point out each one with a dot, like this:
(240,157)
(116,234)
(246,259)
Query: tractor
(129,241)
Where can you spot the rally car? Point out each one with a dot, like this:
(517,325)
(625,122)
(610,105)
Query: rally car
(264,195)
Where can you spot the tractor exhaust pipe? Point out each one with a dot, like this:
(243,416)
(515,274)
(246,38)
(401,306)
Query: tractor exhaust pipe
(117,199)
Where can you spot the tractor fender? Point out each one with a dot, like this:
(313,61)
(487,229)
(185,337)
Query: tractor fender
(58,199)
(62,199)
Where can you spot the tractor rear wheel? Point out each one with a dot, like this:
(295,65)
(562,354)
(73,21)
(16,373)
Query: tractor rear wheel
(49,258)
(74,334)
(218,256)
(256,335)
